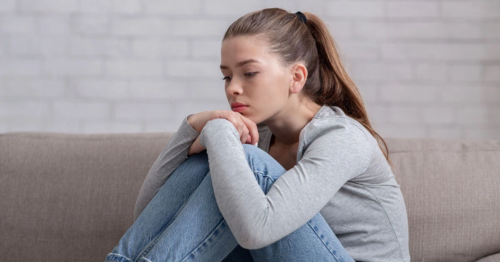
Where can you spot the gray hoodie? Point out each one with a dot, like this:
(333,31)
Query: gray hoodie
(341,172)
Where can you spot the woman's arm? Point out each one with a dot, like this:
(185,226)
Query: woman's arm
(174,153)
(339,153)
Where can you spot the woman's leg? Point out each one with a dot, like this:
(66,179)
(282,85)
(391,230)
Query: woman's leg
(162,209)
(200,233)
(314,241)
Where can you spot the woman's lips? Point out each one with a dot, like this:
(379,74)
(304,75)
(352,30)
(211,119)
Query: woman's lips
(239,108)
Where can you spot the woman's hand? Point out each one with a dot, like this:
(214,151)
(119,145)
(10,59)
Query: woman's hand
(246,128)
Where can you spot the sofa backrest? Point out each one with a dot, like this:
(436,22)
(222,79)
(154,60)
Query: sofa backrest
(452,195)
(73,195)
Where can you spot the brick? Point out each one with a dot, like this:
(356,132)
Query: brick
(139,26)
(159,90)
(130,90)
(405,114)
(152,126)
(81,109)
(339,30)
(195,69)
(369,91)
(129,67)
(359,51)
(412,9)
(138,111)
(73,67)
(53,25)
(435,51)
(379,71)
(397,51)
(198,27)
(107,127)
(491,94)
(19,67)
(99,47)
(42,46)
(33,88)
(352,9)
(462,95)
(206,48)
(24,108)
(7,6)
(491,52)
(408,93)
(160,48)
(173,7)
(432,72)
(25,124)
(3,127)
(437,115)
(230,8)
(48,6)
(318,8)
(494,116)
(91,25)
(101,89)
(419,30)
(63,125)
(491,30)
(492,73)
(182,109)
(472,115)
(207,90)
(377,113)
(13,24)
(476,9)
(111,6)
(286,4)
(402,131)
(470,72)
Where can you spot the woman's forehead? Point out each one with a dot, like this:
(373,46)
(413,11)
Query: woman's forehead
(241,48)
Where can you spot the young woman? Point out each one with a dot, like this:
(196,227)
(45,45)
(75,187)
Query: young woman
(317,187)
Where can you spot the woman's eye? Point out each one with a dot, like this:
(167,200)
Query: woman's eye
(247,74)
(251,74)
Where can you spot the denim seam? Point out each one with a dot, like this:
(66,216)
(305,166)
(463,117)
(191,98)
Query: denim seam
(119,255)
(153,242)
(205,240)
(322,241)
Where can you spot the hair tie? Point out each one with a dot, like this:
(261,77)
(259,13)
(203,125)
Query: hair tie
(301,17)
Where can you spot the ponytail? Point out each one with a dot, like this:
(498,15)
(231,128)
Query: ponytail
(327,82)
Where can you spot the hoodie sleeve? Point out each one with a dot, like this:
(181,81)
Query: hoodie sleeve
(174,153)
(256,220)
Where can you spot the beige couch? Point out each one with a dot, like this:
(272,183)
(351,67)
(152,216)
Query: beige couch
(70,197)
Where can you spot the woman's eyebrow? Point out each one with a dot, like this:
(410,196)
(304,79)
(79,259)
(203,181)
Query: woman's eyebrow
(251,60)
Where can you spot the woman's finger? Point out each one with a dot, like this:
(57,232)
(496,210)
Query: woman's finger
(252,127)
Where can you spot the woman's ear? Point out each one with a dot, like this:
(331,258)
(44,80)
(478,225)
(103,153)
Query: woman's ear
(299,77)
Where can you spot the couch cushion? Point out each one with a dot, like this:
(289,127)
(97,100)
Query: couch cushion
(492,258)
(452,195)
(70,196)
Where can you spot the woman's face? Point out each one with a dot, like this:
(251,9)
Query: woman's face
(254,77)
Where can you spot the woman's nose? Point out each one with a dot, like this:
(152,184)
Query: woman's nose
(234,87)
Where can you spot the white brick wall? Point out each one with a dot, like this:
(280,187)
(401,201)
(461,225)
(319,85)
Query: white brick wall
(424,68)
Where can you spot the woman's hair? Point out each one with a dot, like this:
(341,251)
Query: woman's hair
(327,81)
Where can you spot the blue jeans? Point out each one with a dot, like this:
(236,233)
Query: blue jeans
(183,222)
